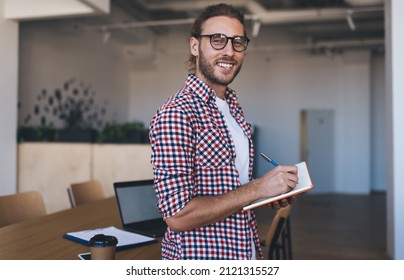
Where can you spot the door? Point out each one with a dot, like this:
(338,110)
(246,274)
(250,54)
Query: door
(317,147)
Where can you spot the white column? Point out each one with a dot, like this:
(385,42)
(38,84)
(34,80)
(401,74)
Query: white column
(8,103)
(395,109)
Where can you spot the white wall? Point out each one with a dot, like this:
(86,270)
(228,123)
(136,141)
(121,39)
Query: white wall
(153,81)
(8,103)
(51,54)
(295,81)
(273,87)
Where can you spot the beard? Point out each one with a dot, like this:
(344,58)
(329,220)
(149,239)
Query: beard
(208,71)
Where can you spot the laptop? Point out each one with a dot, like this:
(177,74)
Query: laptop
(137,204)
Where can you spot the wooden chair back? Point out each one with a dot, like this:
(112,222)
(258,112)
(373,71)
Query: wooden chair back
(70,196)
(278,238)
(21,206)
(86,192)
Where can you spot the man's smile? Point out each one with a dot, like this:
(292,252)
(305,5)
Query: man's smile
(225,65)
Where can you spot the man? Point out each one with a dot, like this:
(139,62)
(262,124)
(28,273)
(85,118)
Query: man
(202,152)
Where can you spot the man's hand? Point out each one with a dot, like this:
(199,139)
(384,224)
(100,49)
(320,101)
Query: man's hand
(282,203)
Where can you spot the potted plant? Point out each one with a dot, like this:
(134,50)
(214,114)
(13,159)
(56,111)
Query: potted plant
(73,109)
(136,132)
(128,132)
(36,134)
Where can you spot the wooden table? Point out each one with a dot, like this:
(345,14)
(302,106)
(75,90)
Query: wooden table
(42,238)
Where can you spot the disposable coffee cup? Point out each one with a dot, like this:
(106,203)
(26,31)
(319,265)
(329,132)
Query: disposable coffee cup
(103,247)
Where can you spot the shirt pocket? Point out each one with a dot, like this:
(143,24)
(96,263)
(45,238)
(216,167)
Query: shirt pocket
(212,150)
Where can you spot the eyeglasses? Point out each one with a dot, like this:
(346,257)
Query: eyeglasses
(219,41)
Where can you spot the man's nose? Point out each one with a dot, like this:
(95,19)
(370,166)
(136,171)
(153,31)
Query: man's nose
(228,49)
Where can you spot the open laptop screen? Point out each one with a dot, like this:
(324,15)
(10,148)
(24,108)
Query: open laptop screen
(136,201)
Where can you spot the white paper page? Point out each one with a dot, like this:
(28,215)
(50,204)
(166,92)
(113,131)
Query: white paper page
(304,185)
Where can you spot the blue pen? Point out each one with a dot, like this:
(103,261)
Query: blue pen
(269,159)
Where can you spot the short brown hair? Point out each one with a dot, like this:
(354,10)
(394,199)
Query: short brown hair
(207,13)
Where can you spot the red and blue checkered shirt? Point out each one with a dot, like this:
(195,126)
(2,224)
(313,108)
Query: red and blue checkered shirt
(192,156)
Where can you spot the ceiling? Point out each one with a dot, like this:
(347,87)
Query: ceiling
(325,23)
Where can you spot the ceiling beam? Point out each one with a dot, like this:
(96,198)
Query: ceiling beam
(139,12)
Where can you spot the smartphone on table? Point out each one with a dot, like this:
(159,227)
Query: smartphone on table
(85,256)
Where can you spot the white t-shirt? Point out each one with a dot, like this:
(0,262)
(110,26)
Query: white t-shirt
(241,145)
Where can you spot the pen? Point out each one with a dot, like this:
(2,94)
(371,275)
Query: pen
(269,159)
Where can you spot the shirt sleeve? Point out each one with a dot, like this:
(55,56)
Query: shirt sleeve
(171,139)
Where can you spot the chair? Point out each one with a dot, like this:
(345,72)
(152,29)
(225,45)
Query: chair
(85,192)
(278,239)
(21,206)
(69,195)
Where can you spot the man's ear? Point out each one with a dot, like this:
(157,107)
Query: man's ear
(194,46)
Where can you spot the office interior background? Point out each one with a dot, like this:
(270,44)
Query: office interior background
(317,82)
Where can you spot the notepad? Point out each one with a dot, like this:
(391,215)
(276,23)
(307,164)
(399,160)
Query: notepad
(125,239)
(305,184)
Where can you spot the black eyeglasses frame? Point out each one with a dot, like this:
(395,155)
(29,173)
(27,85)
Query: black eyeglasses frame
(210,36)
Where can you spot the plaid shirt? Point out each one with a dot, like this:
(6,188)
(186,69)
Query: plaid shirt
(193,155)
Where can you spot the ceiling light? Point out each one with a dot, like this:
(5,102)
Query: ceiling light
(256,27)
(106,34)
(350,20)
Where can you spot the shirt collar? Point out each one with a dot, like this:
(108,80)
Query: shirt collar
(205,92)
